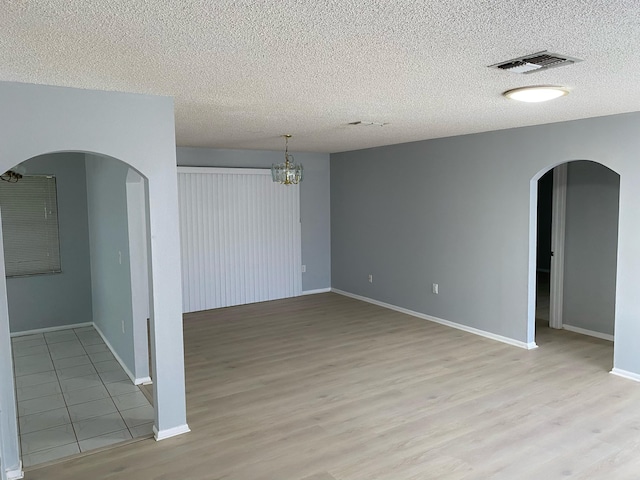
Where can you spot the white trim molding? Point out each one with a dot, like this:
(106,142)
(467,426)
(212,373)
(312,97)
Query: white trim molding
(16,474)
(591,333)
(137,381)
(626,374)
(316,291)
(226,170)
(51,329)
(458,326)
(117,357)
(170,432)
(143,381)
(558,226)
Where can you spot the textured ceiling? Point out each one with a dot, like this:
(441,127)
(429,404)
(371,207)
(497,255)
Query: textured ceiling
(244,72)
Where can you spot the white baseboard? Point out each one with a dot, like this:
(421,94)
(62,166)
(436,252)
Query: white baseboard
(115,354)
(51,329)
(15,474)
(143,381)
(625,374)
(591,333)
(136,381)
(476,331)
(170,432)
(318,290)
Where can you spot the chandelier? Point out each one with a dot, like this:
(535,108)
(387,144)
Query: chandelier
(287,173)
(13,175)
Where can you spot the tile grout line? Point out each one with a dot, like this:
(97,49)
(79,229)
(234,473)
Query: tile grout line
(56,372)
(103,384)
(108,392)
(65,398)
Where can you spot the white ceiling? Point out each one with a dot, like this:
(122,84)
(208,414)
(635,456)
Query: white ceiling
(244,72)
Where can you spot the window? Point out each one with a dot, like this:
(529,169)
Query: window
(30,225)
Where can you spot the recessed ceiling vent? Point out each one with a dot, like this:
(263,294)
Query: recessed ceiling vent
(368,124)
(535,62)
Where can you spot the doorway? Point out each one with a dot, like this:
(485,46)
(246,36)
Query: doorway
(74,350)
(576,249)
(543,249)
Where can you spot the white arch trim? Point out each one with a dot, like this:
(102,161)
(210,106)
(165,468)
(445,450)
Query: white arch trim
(556,303)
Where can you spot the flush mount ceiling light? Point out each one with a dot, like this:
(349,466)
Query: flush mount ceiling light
(541,93)
(287,173)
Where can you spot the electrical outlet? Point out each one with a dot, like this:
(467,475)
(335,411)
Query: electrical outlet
(304,268)
(120,258)
(434,288)
(122,326)
(370,278)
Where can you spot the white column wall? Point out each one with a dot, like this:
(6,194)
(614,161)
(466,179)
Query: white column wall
(138,130)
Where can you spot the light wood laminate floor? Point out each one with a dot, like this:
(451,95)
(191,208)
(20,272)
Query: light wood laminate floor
(325,387)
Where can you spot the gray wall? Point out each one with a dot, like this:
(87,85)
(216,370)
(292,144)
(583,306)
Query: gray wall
(42,301)
(109,246)
(9,445)
(591,246)
(139,130)
(314,200)
(461,212)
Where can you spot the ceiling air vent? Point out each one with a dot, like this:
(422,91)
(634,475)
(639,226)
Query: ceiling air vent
(535,62)
(368,124)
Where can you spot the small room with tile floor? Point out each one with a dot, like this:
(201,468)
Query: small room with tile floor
(73,396)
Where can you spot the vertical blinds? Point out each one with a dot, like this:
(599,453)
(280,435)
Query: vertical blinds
(30,226)
(240,236)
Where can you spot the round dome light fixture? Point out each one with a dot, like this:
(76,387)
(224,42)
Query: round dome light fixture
(540,93)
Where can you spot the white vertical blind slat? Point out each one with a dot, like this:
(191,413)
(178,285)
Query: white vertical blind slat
(240,237)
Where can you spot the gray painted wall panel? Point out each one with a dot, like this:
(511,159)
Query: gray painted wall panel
(456,211)
(591,246)
(9,445)
(43,301)
(314,200)
(430,212)
(140,130)
(109,244)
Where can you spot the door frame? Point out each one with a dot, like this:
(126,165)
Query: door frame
(558,226)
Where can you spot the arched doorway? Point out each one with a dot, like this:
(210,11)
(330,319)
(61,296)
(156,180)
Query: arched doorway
(78,338)
(140,131)
(583,249)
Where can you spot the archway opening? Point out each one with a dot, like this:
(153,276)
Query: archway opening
(573,254)
(79,331)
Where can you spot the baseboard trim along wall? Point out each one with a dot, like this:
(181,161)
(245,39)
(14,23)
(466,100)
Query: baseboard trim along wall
(476,331)
(170,432)
(136,381)
(51,329)
(16,474)
(591,333)
(117,357)
(318,290)
(625,374)
(143,381)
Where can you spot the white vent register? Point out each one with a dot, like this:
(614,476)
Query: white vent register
(535,62)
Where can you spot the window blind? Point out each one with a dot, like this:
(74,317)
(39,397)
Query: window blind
(240,235)
(30,226)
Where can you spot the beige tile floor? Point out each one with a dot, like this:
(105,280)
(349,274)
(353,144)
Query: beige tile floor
(73,396)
